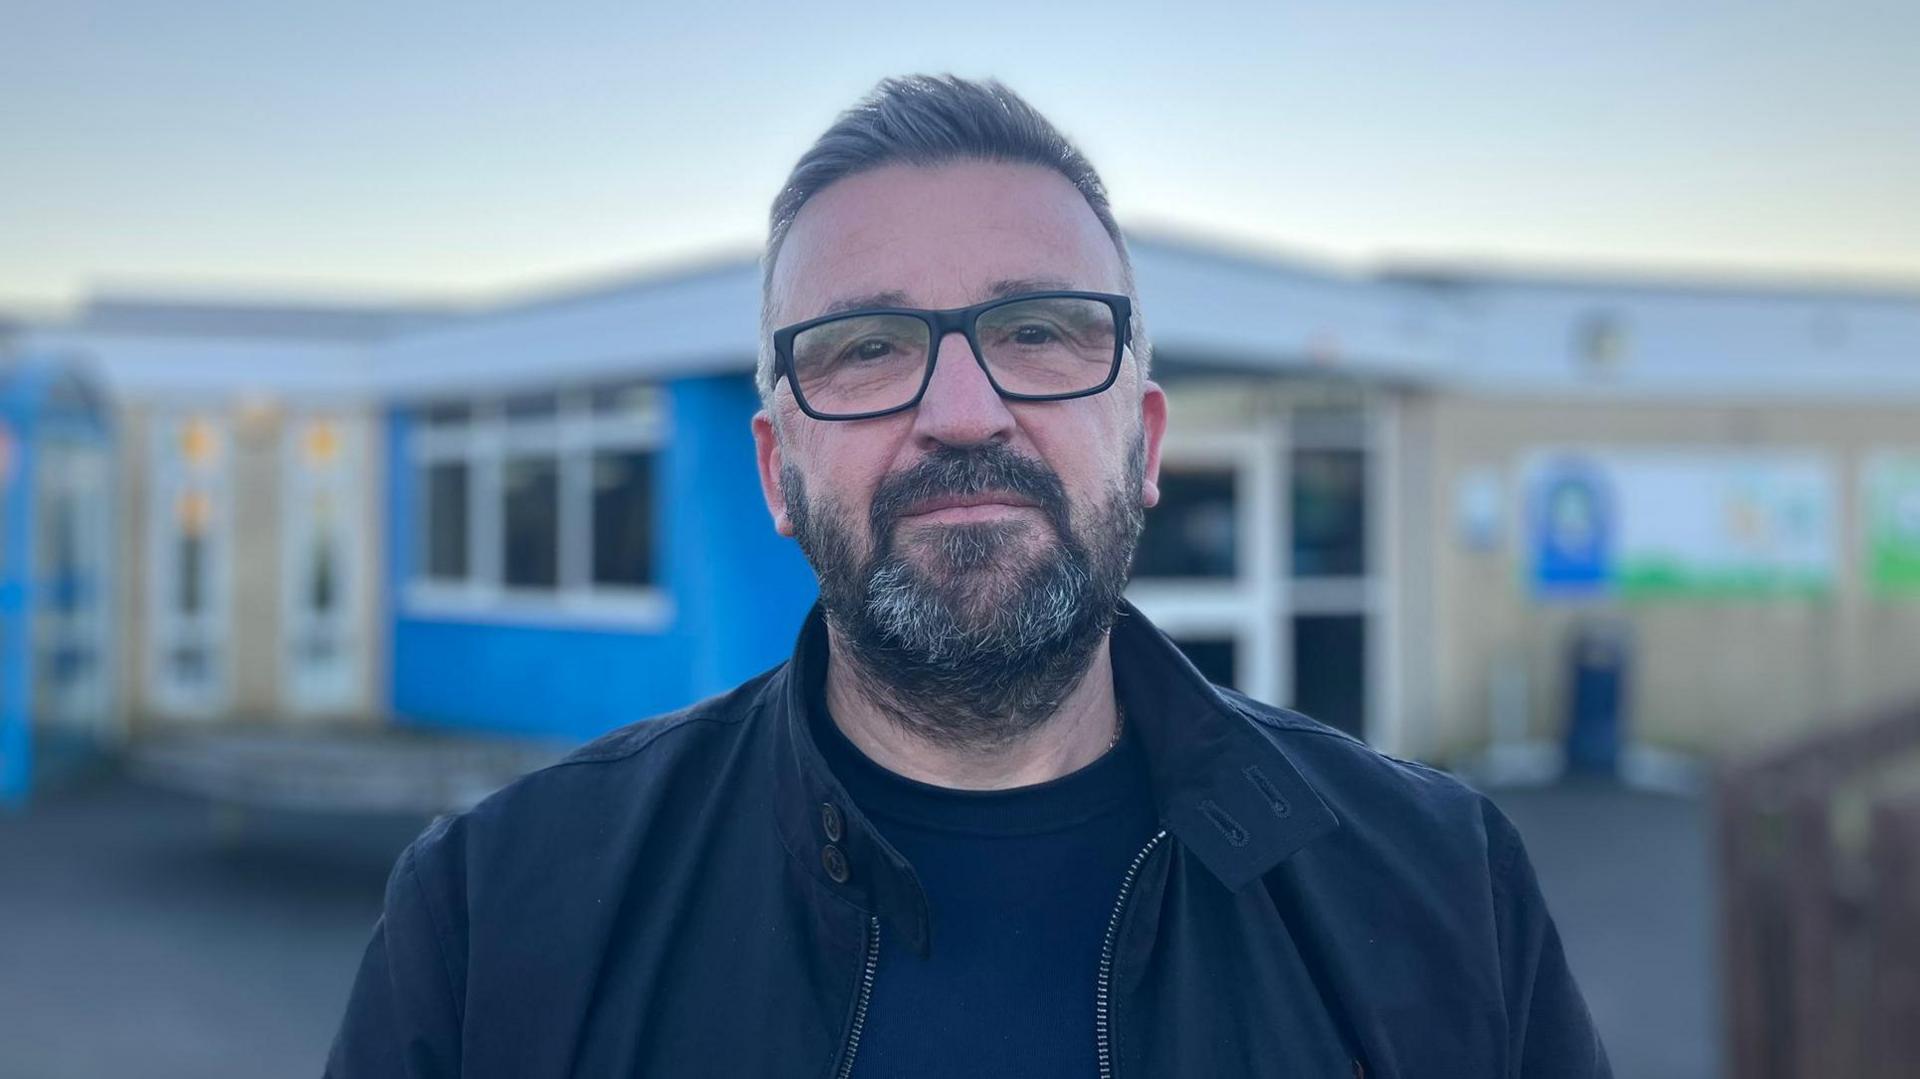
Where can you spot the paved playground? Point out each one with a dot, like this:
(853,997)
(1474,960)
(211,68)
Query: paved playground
(142,934)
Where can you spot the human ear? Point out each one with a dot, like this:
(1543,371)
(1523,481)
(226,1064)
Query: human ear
(766,446)
(1153,429)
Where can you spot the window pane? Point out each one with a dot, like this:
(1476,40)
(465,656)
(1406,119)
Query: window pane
(190,587)
(448,413)
(1329,424)
(446,523)
(1330,669)
(531,523)
(635,399)
(323,573)
(193,514)
(1191,532)
(1329,502)
(623,517)
(190,664)
(1214,656)
(531,406)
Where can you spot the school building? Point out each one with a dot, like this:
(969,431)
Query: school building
(1398,501)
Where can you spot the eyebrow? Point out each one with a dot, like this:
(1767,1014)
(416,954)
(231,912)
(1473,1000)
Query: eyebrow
(1001,289)
(1013,286)
(889,298)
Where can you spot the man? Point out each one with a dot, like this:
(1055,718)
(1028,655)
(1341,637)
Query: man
(986,821)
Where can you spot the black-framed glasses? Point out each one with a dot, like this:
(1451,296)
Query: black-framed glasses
(1037,346)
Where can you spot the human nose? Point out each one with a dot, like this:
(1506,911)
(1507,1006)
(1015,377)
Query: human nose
(960,407)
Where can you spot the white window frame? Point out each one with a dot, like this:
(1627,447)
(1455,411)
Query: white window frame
(483,442)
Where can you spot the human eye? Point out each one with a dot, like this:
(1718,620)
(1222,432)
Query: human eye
(868,350)
(861,342)
(1027,332)
(1033,333)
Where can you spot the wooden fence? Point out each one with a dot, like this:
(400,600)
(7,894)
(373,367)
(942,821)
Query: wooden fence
(1819,847)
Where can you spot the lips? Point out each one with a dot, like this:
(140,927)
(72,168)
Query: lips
(982,498)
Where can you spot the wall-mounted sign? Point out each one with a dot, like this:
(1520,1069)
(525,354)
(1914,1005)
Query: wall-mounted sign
(1479,505)
(1676,524)
(1890,497)
(1571,523)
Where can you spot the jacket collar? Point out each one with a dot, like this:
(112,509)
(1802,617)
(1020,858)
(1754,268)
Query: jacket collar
(1223,787)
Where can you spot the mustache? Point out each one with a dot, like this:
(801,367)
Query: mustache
(956,470)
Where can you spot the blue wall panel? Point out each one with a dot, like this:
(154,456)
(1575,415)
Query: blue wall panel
(40,401)
(738,590)
(566,682)
(743,588)
(16,612)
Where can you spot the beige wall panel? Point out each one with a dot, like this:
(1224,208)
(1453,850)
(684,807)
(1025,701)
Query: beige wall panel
(256,563)
(1714,677)
(130,567)
(373,488)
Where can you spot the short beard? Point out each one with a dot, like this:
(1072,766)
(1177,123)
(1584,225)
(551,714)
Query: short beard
(984,651)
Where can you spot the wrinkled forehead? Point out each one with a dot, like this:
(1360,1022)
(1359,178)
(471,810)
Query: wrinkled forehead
(940,236)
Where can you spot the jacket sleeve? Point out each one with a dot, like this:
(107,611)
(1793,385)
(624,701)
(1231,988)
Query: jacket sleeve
(1549,1030)
(403,1016)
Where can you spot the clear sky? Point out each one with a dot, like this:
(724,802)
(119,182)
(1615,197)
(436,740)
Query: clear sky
(430,149)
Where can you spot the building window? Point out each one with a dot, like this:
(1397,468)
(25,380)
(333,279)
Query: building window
(637,400)
(445,523)
(531,407)
(191,583)
(530,517)
(1328,503)
(1193,531)
(541,498)
(623,517)
(448,413)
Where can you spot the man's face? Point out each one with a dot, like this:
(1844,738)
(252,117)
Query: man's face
(1035,479)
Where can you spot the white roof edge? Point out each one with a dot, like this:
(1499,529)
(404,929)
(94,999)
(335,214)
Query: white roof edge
(1215,305)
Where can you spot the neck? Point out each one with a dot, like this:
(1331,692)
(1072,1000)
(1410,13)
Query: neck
(1074,736)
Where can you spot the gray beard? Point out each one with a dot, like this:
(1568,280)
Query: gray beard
(982,643)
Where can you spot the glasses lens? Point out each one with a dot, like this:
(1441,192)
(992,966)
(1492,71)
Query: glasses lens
(1048,345)
(861,363)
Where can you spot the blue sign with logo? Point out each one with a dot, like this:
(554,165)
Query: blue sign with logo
(1571,530)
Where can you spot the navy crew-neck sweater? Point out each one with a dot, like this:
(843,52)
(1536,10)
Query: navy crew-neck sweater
(1020,884)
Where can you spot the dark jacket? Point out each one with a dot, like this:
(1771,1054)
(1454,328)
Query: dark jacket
(694,895)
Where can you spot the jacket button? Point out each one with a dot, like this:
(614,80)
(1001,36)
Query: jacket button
(835,862)
(830,821)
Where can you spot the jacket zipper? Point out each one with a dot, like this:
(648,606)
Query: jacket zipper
(1102,1032)
(871,964)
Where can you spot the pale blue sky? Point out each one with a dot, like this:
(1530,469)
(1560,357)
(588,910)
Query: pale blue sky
(439,149)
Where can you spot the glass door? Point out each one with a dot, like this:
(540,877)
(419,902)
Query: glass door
(1205,570)
(72,620)
(1330,571)
(1266,558)
(189,555)
(322,653)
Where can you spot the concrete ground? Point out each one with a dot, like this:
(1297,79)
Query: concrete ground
(142,935)
(1628,878)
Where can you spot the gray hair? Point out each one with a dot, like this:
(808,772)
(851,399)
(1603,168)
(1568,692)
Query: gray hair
(933,120)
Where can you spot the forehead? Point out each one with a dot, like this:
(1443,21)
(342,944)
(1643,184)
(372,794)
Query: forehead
(940,236)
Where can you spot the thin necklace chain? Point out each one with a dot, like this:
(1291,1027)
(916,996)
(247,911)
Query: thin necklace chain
(1119,724)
